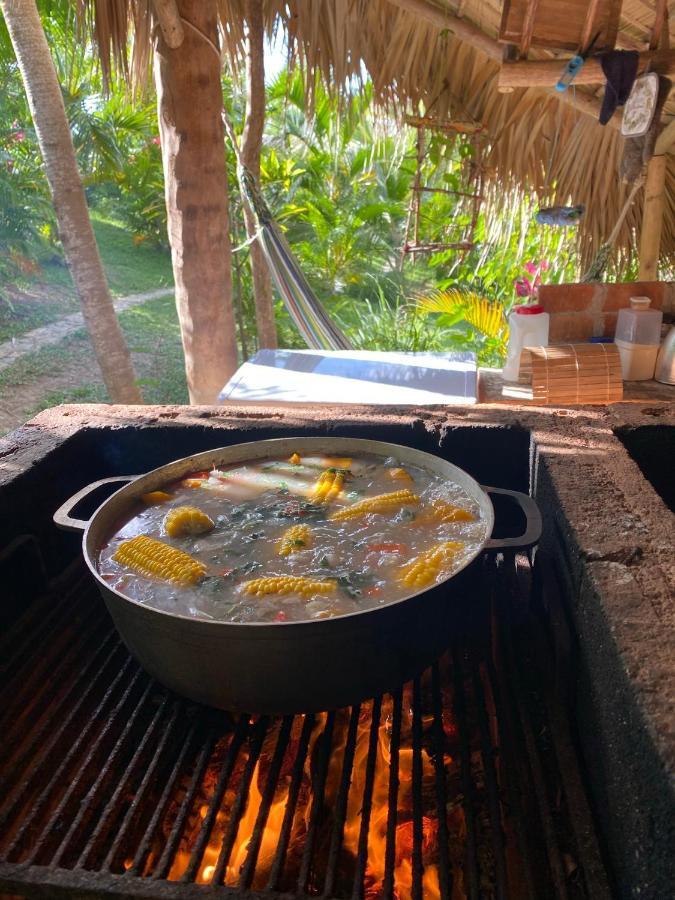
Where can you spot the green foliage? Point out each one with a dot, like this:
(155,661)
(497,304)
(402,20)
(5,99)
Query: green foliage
(153,335)
(483,325)
(26,216)
(383,324)
(337,177)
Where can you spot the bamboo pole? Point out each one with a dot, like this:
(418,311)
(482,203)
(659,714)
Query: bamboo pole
(652,219)
(666,139)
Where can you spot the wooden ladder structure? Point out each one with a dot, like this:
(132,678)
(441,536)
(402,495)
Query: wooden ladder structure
(414,246)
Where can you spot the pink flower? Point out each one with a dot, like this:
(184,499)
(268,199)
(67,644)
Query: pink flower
(156,140)
(19,135)
(529,287)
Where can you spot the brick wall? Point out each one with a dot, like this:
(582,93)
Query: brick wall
(581,311)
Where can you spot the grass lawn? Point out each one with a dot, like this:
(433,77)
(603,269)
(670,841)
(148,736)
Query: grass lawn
(67,372)
(131,268)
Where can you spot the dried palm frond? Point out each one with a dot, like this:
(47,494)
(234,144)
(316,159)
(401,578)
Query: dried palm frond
(479,312)
(534,142)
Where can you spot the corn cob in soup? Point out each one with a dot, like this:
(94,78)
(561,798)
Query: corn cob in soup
(292,539)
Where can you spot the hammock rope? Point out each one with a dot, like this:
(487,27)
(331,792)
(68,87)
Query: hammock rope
(309,315)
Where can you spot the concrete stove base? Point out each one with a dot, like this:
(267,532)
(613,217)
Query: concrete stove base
(607,529)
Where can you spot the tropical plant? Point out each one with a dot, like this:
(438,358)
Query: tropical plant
(70,207)
(385,324)
(484,316)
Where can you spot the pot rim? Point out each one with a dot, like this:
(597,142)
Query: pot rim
(476,493)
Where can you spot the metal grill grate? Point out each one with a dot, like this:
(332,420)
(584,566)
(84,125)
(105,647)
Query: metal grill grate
(111,786)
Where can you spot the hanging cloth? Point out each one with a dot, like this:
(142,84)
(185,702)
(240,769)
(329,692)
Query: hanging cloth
(620,69)
(309,315)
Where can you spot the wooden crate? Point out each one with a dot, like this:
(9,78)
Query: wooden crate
(564,26)
(568,374)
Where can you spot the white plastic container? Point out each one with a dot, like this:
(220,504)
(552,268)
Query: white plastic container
(528,327)
(637,337)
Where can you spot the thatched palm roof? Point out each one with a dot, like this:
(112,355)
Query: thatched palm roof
(536,142)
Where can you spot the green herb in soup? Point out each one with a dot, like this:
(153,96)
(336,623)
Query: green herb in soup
(283,540)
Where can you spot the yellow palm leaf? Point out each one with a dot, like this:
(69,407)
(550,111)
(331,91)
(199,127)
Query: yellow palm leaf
(484,316)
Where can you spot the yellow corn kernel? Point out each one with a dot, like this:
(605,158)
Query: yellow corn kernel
(295,459)
(297,537)
(154,497)
(288,584)
(328,486)
(155,559)
(425,568)
(400,475)
(187,520)
(442,512)
(379,504)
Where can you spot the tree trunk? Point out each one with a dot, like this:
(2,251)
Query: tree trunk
(191,130)
(70,204)
(251,144)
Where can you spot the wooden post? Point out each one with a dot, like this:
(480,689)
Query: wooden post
(652,219)
(546,72)
(190,106)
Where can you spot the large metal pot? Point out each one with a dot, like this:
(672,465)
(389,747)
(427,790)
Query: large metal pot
(293,666)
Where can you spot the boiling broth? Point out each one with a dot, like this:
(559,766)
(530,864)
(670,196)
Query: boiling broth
(353,561)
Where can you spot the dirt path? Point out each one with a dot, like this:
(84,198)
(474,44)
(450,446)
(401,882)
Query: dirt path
(56,363)
(47,335)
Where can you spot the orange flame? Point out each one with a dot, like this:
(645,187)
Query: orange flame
(377,831)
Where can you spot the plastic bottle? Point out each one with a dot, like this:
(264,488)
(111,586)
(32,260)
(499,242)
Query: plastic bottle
(528,327)
(637,336)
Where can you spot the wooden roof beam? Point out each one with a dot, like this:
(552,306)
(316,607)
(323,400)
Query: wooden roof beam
(480,41)
(529,20)
(546,72)
(660,20)
(588,32)
(443,19)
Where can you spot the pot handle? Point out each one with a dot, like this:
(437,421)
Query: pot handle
(533,524)
(62,516)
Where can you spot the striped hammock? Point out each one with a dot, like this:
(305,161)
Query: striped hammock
(311,319)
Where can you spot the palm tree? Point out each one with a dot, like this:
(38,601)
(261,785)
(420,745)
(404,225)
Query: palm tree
(190,104)
(70,205)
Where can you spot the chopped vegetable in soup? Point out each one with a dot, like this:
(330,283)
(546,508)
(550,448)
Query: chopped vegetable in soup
(283,540)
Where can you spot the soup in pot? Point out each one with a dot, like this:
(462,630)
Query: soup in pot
(299,538)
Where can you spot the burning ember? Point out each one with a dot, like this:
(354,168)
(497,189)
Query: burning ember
(326,802)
